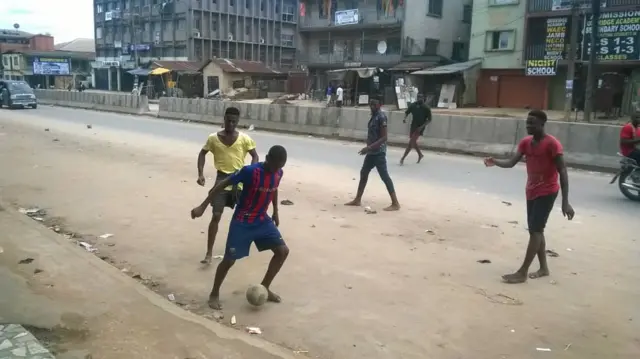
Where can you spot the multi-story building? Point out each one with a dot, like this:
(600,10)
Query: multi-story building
(526,45)
(129,33)
(47,68)
(339,34)
(21,41)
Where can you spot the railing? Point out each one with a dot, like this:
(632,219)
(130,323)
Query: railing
(353,60)
(367,16)
(547,5)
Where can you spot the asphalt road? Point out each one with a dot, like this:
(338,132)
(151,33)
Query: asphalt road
(587,189)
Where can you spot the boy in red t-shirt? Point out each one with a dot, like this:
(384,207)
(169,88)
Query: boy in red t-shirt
(630,137)
(544,159)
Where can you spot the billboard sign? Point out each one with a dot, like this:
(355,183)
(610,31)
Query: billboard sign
(541,67)
(51,66)
(347,17)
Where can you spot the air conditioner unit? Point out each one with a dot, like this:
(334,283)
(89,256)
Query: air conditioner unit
(262,40)
(230,37)
(156,41)
(196,34)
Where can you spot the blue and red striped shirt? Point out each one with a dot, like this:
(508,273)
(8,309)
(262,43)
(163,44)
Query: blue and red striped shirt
(258,188)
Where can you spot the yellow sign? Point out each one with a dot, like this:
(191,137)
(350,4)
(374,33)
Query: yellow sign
(541,67)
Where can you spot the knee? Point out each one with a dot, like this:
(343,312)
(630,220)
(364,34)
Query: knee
(227,263)
(281,252)
(215,219)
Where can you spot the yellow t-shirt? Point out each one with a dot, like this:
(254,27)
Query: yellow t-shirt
(229,159)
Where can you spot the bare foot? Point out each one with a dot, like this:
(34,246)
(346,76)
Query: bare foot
(420,158)
(539,274)
(355,203)
(197,212)
(393,207)
(514,278)
(207,259)
(402,162)
(214,303)
(273,297)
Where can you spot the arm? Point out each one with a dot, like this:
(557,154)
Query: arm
(202,158)
(254,156)
(509,163)
(218,188)
(627,136)
(381,140)
(629,141)
(250,147)
(567,210)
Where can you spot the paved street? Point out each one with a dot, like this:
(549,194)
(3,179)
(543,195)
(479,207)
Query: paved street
(387,285)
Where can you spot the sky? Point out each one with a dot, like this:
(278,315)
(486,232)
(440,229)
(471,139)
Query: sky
(64,20)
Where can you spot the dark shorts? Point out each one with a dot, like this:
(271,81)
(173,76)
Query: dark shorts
(338,103)
(635,155)
(538,211)
(226,198)
(264,234)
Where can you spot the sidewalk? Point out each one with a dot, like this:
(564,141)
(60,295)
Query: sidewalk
(72,300)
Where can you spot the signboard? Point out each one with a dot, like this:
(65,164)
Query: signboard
(541,67)
(555,40)
(619,34)
(50,66)
(108,16)
(347,17)
(564,5)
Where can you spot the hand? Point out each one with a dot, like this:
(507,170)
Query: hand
(276,218)
(404,120)
(198,212)
(567,210)
(489,162)
(364,151)
(201,180)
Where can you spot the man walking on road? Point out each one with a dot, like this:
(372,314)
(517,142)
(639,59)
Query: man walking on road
(250,222)
(421,117)
(545,162)
(229,148)
(375,155)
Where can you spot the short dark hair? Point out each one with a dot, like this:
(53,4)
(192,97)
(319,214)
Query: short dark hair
(232,111)
(539,114)
(277,153)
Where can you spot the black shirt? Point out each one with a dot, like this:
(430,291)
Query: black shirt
(421,114)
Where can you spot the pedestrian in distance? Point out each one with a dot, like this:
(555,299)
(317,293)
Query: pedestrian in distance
(229,148)
(375,155)
(420,118)
(545,163)
(250,222)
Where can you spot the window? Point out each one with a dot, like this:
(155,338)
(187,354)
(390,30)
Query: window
(370,46)
(459,51)
(5,61)
(287,40)
(277,8)
(435,8)
(214,25)
(232,2)
(181,52)
(394,45)
(247,3)
(431,46)
(288,13)
(503,2)
(324,47)
(98,33)
(99,9)
(467,12)
(261,5)
(247,29)
(500,40)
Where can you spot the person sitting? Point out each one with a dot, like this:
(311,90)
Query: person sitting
(630,137)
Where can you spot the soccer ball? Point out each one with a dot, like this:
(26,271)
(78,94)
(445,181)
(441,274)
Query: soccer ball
(257,295)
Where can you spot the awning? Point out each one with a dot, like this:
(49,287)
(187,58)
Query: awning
(159,71)
(363,72)
(449,69)
(411,66)
(140,72)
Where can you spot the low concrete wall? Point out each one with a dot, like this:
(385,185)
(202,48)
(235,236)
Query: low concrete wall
(101,101)
(586,145)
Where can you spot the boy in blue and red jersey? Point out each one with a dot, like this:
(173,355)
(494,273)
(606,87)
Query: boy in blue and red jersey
(250,222)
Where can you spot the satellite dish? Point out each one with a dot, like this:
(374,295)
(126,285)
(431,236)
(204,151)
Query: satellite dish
(16,26)
(382,47)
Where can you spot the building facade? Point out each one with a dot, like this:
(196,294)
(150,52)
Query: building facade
(525,44)
(47,69)
(21,41)
(339,34)
(130,33)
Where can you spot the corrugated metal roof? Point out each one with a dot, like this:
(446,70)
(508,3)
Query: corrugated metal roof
(412,66)
(77,45)
(243,66)
(179,66)
(449,69)
(69,54)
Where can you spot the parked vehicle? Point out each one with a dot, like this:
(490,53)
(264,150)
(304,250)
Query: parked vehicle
(15,94)
(628,178)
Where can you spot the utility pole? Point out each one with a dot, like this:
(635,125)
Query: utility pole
(571,68)
(133,36)
(593,58)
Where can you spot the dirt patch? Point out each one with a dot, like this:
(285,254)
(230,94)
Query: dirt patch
(58,338)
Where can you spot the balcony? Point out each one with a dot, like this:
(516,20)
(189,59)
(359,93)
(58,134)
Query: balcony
(541,6)
(367,18)
(341,60)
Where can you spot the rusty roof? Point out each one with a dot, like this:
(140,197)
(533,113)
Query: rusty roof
(179,66)
(242,66)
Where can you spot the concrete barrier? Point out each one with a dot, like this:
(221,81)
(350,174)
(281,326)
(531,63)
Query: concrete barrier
(586,145)
(101,101)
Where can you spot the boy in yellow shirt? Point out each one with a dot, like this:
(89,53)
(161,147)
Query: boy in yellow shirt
(229,148)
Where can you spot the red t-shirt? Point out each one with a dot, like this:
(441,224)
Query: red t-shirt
(628,132)
(542,174)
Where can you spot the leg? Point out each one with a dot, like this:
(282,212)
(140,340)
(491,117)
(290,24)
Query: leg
(415,145)
(381,166)
(221,274)
(271,239)
(545,207)
(367,166)
(217,205)
(407,150)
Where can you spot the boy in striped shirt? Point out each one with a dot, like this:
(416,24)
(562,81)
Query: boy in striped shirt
(250,222)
